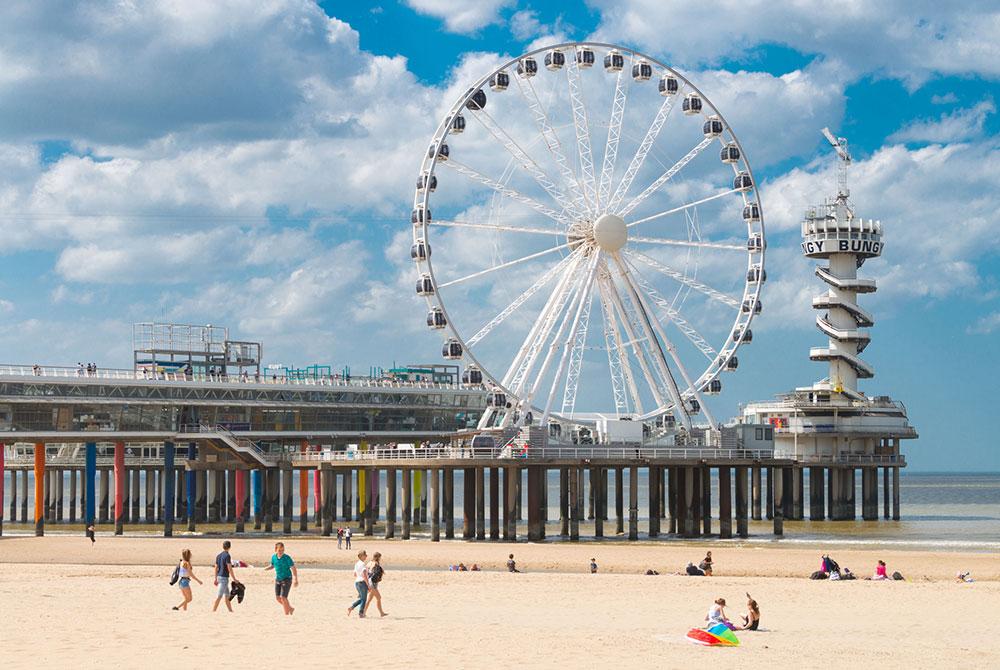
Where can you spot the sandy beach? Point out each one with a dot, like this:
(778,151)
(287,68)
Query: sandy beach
(70,604)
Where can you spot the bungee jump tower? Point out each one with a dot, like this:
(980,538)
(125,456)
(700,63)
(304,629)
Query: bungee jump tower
(831,427)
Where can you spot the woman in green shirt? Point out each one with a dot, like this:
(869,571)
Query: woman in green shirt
(284,573)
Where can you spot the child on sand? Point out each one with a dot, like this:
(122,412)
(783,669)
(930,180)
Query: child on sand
(511,565)
(186,575)
(285,576)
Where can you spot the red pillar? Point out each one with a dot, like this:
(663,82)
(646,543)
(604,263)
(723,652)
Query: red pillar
(2,474)
(39,489)
(119,488)
(317,489)
(240,494)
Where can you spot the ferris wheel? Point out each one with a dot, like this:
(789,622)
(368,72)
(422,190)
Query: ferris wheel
(596,245)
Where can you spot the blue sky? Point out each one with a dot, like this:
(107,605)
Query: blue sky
(252,165)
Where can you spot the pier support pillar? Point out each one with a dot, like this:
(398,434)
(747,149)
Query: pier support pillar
(725,503)
(423,496)
(495,503)
(13,486)
(73,494)
(286,497)
(672,500)
(256,496)
(449,503)
(40,489)
(135,494)
(60,491)
(150,495)
(895,494)
(775,480)
(685,515)
(89,483)
(347,495)
(119,488)
(798,493)
(654,500)
(513,476)
(24,496)
(169,473)
(756,493)
(390,503)
(468,504)
(13,491)
(619,500)
(742,502)
(597,493)
(327,495)
(319,504)
(303,499)
(241,495)
(518,495)
(833,493)
(535,475)
(373,483)
(633,503)
(564,501)
(480,483)
(407,501)
(788,492)
(869,494)
(816,495)
(696,500)
(885,493)
(769,510)
(706,500)
(435,504)
(851,482)
(573,487)
(102,495)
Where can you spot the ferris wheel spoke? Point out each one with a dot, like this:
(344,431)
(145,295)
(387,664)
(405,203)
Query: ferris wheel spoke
(622,380)
(665,177)
(614,135)
(498,227)
(582,127)
(507,191)
(687,243)
(649,326)
(503,266)
(576,354)
(640,155)
(551,139)
(684,207)
(639,282)
(559,267)
(522,157)
(683,279)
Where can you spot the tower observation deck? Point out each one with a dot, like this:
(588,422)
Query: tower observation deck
(833,423)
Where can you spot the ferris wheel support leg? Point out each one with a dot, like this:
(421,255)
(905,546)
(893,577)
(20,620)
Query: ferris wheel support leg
(640,352)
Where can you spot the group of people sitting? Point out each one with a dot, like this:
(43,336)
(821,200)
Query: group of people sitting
(830,569)
(717,614)
(461,567)
(703,569)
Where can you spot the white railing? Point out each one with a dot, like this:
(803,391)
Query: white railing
(532,453)
(850,459)
(60,372)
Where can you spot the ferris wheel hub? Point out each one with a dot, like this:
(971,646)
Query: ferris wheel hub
(610,232)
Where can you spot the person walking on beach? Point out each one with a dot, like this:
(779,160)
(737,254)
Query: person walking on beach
(361,583)
(284,573)
(347,537)
(223,573)
(375,574)
(340,538)
(186,575)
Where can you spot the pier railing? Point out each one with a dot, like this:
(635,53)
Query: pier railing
(546,453)
(849,459)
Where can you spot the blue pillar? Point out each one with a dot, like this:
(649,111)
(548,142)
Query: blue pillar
(168,489)
(90,475)
(258,490)
(191,486)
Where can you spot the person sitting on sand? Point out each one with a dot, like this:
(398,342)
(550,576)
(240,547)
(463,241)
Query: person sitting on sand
(511,565)
(706,564)
(752,618)
(880,572)
(693,571)
(717,614)
(462,568)
(964,578)
(474,568)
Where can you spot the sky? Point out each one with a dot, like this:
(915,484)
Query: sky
(251,164)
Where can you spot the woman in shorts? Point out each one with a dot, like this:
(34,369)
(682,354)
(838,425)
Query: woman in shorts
(285,576)
(375,574)
(186,575)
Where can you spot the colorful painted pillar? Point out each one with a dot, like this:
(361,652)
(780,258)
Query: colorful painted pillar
(192,486)
(240,511)
(318,511)
(168,489)
(13,485)
(304,499)
(39,489)
(258,502)
(89,484)
(119,488)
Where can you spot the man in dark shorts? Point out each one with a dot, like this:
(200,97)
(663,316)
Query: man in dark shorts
(285,576)
(223,574)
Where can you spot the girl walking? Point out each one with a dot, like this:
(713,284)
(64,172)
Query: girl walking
(375,574)
(186,575)
(284,573)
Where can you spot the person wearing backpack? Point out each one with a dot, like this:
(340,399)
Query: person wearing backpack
(375,574)
(185,574)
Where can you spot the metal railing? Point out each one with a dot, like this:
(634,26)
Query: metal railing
(61,373)
(849,459)
(532,453)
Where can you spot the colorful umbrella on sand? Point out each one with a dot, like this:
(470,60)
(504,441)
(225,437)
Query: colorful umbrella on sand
(718,635)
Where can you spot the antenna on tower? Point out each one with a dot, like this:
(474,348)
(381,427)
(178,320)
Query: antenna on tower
(839,145)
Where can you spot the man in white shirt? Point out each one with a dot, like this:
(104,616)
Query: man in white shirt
(361,583)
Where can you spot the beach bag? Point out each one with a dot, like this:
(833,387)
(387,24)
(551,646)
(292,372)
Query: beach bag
(819,574)
(175,575)
(377,573)
(897,576)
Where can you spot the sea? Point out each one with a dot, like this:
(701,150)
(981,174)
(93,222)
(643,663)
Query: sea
(940,512)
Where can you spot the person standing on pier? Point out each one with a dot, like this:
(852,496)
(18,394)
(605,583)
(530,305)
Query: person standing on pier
(223,573)
(186,575)
(362,583)
(284,572)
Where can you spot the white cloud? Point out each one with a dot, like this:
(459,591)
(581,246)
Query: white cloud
(946,99)
(525,24)
(462,16)
(900,38)
(6,306)
(957,126)
(985,325)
